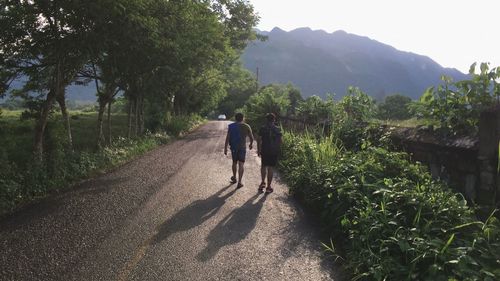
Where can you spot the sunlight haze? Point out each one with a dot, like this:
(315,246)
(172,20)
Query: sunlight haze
(453,33)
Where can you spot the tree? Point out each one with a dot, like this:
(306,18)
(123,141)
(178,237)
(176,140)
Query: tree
(46,41)
(241,84)
(357,106)
(173,53)
(295,98)
(239,19)
(270,99)
(314,110)
(457,106)
(395,107)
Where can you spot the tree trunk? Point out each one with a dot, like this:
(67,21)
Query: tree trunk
(42,124)
(64,111)
(141,115)
(176,105)
(129,133)
(136,117)
(100,117)
(109,121)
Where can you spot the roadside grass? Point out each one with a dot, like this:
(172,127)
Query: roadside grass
(16,136)
(23,180)
(84,128)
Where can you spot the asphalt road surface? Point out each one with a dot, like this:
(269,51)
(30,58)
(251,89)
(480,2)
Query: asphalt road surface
(168,215)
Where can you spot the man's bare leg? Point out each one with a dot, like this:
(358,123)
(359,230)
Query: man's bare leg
(269,175)
(240,172)
(234,169)
(263,174)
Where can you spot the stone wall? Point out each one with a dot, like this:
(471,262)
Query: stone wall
(469,164)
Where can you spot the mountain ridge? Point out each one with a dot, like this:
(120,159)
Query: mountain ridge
(319,62)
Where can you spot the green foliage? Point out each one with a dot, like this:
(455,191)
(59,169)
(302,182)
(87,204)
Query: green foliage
(169,53)
(22,179)
(119,105)
(162,57)
(63,167)
(177,125)
(314,110)
(350,118)
(269,99)
(457,106)
(295,98)
(85,106)
(12,104)
(390,220)
(387,218)
(357,106)
(395,107)
(241,85)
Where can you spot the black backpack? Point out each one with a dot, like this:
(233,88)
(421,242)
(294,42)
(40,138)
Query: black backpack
(270,139)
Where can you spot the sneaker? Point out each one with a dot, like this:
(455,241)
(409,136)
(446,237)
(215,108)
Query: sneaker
(233,180)
(240,185)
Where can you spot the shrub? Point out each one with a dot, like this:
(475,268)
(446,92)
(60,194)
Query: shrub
(270,99)
(62,167)
(177,125)
(457,106)
(391,219)
(395,107)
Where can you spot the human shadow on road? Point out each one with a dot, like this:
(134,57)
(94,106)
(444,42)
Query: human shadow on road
(298,237)
(233,228)
(193,215)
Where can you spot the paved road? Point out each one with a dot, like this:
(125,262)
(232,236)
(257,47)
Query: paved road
(169,215)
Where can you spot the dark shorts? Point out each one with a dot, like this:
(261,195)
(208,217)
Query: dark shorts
(238,154)
(269,160)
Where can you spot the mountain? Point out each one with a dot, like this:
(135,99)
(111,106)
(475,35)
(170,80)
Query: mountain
(319,63)
(84,93)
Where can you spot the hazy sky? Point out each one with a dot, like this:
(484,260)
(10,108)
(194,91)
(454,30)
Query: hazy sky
(454,33)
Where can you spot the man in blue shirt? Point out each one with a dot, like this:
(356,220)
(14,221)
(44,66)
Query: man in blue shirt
(236,138)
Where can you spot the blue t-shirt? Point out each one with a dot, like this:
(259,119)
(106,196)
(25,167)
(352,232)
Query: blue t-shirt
(238,133)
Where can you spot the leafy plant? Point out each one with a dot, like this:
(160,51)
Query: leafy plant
(457,106)
(395,107)
(270,99)
(314,110)
(387,218)
(357,105)
(177,125)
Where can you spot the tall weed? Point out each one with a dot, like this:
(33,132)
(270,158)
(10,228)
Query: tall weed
(176,125)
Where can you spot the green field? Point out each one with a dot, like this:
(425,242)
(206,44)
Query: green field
(16,136)
(22,179)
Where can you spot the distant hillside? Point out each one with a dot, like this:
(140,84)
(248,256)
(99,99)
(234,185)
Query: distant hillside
(73,92)
(319,62)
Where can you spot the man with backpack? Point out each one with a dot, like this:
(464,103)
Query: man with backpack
(236,138)
(268,148)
